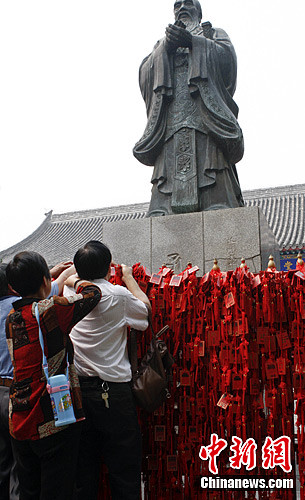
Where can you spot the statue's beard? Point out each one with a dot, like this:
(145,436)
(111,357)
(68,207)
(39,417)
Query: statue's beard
(188,21)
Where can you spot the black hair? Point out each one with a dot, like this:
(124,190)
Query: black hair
(92,261)
(3,281)
(26,271)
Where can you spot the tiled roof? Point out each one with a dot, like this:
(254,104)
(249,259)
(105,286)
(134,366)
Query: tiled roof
(60,235)
(284,210)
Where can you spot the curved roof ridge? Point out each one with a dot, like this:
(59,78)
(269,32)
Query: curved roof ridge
(274,191)
(138,208)
(40,230)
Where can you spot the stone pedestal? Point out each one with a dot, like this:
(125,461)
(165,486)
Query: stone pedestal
(176,240)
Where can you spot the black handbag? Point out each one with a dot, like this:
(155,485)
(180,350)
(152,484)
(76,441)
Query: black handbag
(150,378)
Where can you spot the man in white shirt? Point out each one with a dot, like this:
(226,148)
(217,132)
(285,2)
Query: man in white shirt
(111,430)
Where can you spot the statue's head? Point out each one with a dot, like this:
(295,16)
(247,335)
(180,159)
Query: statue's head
(188,11)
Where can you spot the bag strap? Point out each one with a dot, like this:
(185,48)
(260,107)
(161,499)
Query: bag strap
(133,346)
(157,335)
(44,359)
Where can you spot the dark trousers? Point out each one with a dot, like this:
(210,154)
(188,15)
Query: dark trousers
(112,434)
(47,467)
(9,489)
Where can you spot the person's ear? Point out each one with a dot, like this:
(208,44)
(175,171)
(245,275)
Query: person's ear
(108,275)
(46,285)
(12,291)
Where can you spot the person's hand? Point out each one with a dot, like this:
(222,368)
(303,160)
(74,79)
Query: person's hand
(126,271)
(176,36)
(69,271)
(59,268)
(70,280)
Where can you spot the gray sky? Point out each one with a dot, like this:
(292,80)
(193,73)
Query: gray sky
(71,109)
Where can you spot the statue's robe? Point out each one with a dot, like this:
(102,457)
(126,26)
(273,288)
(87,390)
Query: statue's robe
(190,109)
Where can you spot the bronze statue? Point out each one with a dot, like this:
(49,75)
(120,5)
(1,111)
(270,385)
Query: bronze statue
(192,137)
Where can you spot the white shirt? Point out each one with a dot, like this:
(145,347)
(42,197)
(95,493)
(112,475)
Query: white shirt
(100,339)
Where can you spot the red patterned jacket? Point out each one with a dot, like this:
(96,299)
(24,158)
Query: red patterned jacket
(30,411)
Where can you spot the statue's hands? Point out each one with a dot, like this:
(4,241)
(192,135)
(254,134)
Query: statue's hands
(176,36)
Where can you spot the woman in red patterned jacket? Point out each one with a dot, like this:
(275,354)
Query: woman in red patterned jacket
(46,455)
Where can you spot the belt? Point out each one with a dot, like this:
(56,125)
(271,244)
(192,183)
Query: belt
(97,382)
(6,382)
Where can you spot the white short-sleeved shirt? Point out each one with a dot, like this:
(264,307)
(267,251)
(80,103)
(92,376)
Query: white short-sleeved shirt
(100,339)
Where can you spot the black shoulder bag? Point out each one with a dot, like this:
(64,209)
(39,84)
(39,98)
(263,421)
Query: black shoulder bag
(150,378)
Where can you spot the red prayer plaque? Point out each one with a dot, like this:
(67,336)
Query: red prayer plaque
(294,330)
(227,377)
(199,399)
(171,461)
(225,400)
(156,279)
(165,271)
(281,366)
(271,369)
(193,433)
(253,361)
(237,382)
(213,338)
(159,432)
(269,399)
(160,411)
(262,332)
(185,275)
(193,269)
(185,378)
(187,452)
(283,340)
(256,281)
(254,386)
(235,406)
(152,462)
(229,300)
(237,327)
(260,400)
(301,275)
(298,381)
(201,347)
(175,281)
(205,278)
(270,343)
(235,357)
